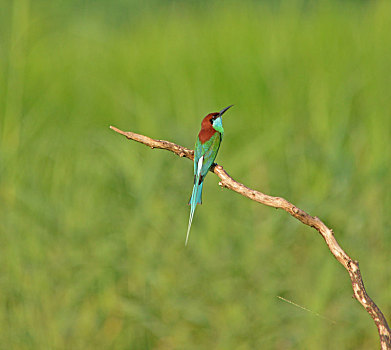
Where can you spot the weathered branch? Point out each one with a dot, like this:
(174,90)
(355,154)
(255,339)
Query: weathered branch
(277,202)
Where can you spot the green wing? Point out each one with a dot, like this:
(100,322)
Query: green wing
(209,151)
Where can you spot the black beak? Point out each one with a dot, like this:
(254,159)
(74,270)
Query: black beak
(224,110)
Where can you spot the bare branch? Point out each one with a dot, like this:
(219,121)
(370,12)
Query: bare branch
(277,202)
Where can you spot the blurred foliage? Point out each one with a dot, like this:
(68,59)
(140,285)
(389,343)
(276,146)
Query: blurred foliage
(93,226)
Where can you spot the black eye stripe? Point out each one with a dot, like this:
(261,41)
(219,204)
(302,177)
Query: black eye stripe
(213,118)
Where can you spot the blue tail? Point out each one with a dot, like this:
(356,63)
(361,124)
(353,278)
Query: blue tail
(196,198)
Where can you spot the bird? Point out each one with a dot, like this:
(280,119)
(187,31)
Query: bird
(205,151)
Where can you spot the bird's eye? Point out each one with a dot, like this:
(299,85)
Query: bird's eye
(212,120)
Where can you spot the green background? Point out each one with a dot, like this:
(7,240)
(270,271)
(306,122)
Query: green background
(92,226)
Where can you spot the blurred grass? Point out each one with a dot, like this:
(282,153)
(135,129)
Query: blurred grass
(92,226)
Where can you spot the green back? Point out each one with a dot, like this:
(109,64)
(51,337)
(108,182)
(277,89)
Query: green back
(209,150)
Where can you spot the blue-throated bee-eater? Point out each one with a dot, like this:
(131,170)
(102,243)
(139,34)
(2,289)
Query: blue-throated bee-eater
(205,151)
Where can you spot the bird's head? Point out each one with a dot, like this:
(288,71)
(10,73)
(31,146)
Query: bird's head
(215,119)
